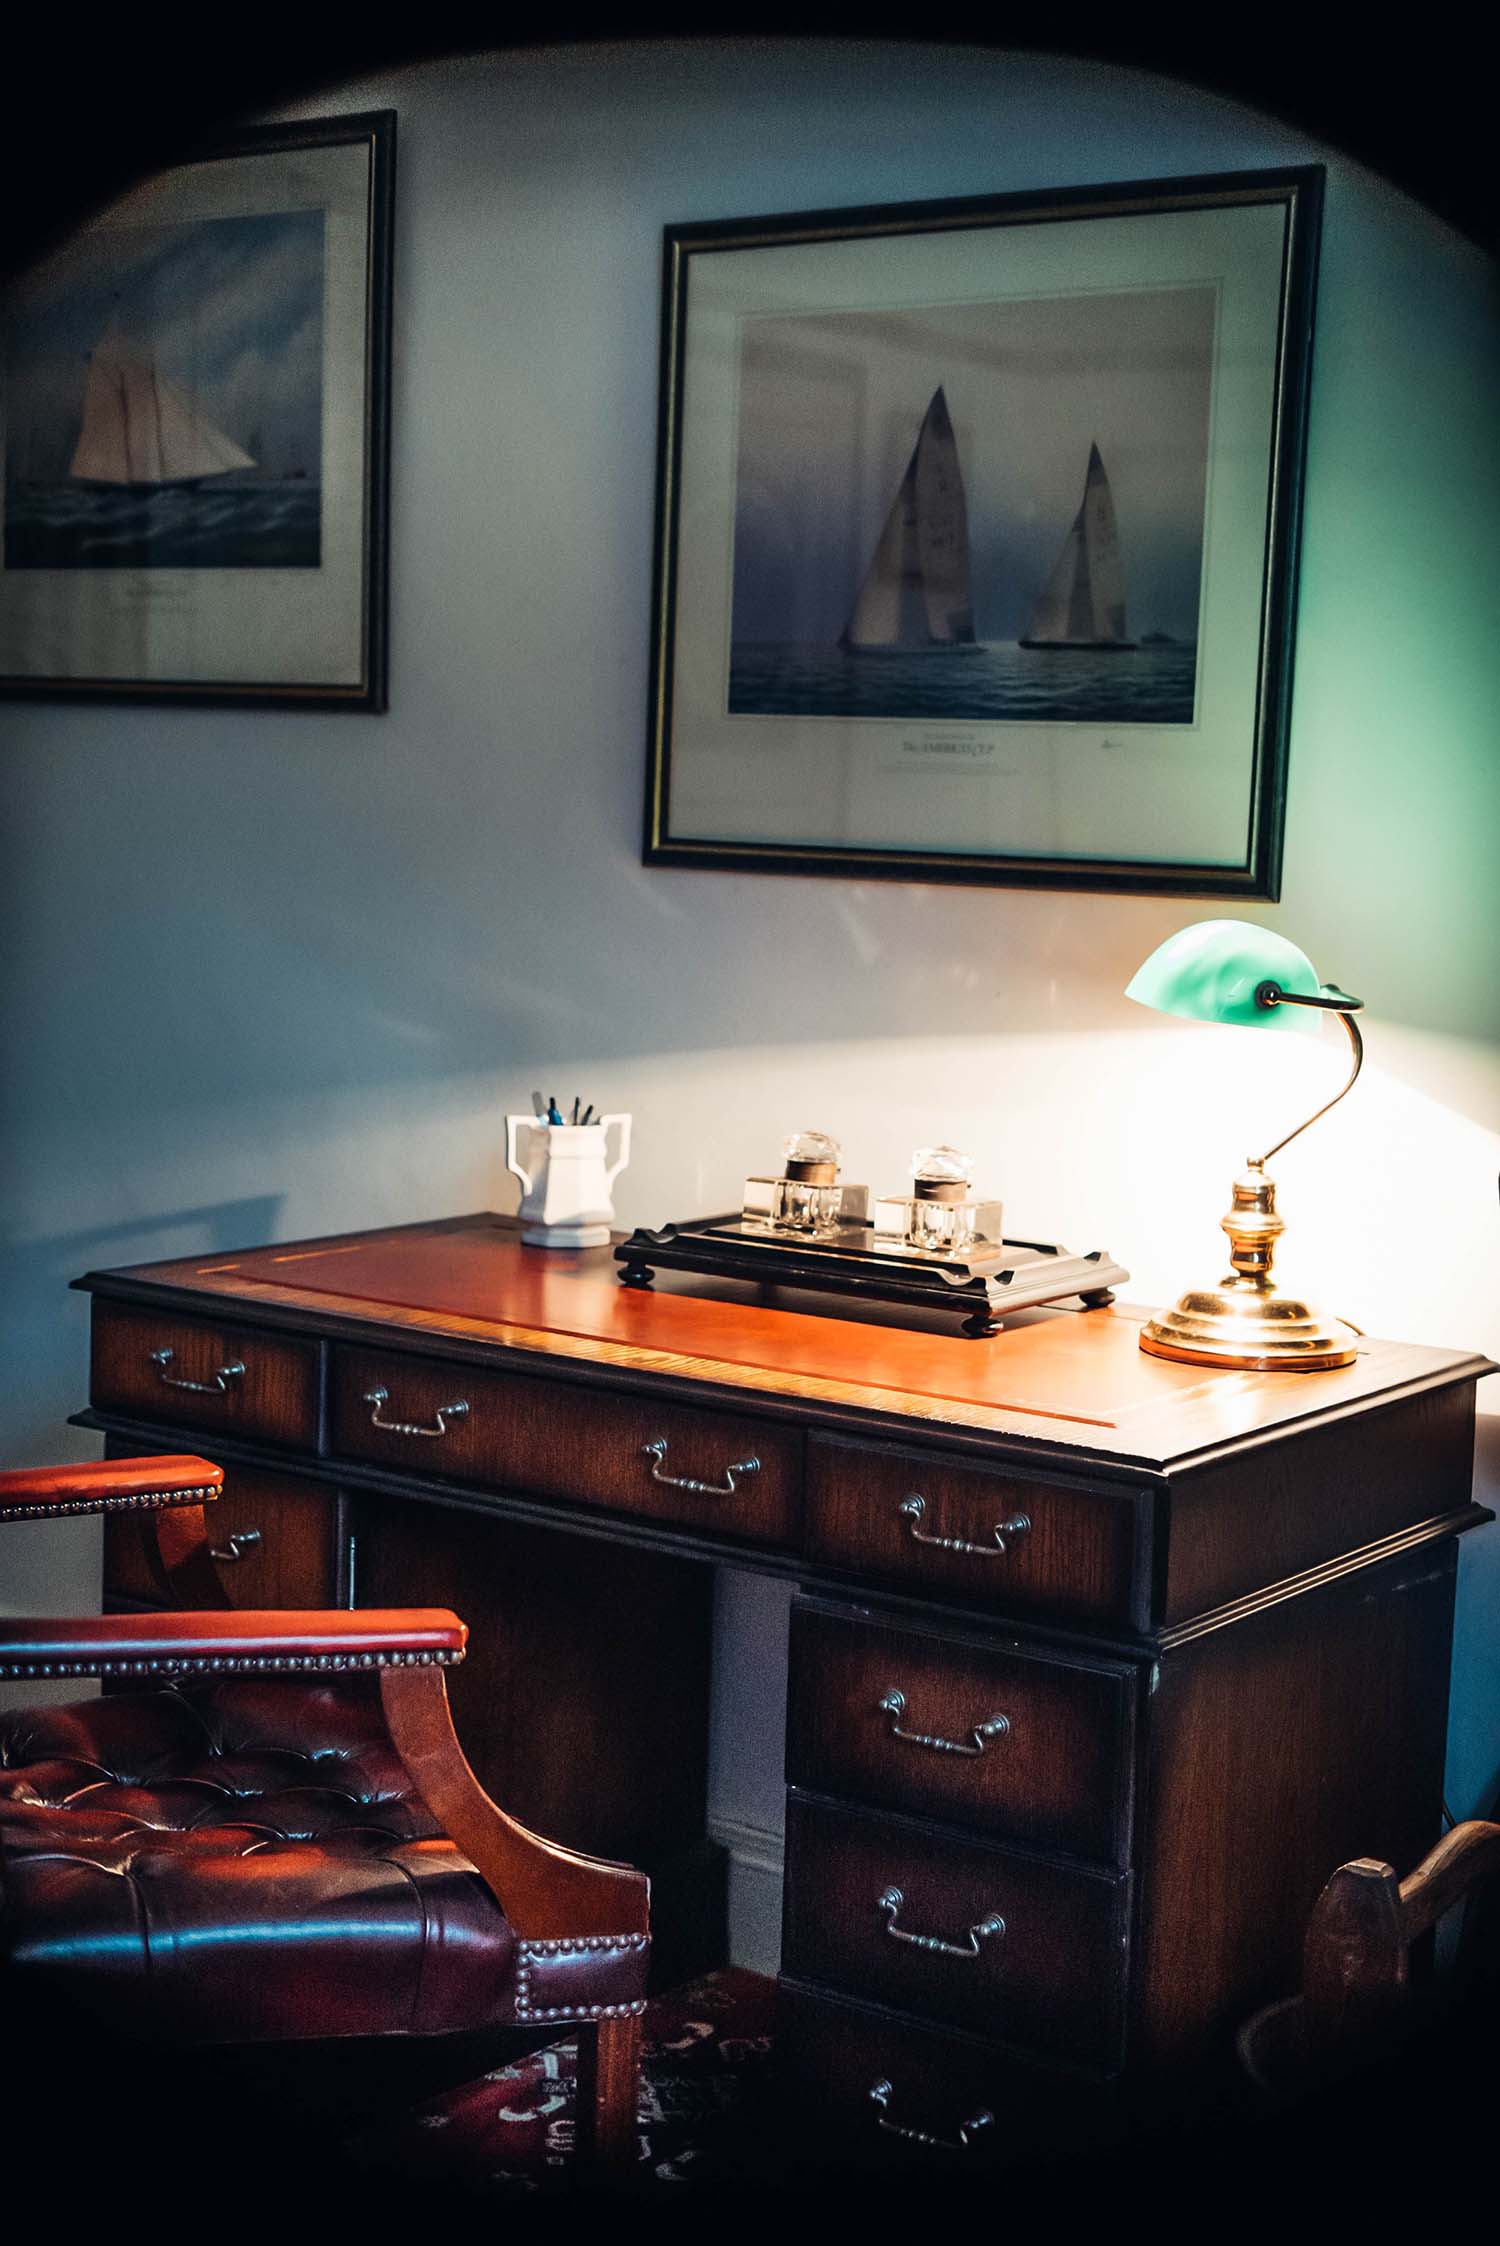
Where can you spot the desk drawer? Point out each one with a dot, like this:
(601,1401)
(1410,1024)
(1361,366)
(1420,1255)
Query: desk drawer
(1024,1544)
(984,1735)
(282,1530)
(665,1462)
(977,1937)
(197,1373)
(891,2089)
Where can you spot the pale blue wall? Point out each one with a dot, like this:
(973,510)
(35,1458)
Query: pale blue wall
(269,975)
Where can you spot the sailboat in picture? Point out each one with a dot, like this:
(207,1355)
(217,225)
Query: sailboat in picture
(139,430)
(916,594)
(1082,605)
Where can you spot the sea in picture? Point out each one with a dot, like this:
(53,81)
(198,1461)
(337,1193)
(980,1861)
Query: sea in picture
(255,524)
(987,680)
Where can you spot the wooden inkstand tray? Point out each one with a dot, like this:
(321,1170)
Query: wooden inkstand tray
(979,1288)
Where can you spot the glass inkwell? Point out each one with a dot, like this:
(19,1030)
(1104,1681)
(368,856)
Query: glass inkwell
(807,1199)
(938,1217)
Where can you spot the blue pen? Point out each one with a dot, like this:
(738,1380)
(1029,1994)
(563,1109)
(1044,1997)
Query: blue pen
(554,1112)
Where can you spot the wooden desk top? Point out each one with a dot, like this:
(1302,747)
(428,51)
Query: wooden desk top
(1068,1379)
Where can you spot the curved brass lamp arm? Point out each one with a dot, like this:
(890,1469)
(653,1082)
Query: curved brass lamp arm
(1334,1002)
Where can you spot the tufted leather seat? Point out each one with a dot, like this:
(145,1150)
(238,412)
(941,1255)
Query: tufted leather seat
(278,1839)
(158,1847)
(253,1849)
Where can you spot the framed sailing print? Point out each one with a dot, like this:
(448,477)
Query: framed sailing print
(195,434)
(977,530)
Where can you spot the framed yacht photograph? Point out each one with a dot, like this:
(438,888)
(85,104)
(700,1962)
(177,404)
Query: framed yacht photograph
(195,434)
(977,531)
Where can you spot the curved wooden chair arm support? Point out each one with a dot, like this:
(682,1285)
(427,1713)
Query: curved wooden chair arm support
(546,1891)
(180,1552)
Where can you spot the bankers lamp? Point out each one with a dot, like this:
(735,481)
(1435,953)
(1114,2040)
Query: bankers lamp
(1234,971)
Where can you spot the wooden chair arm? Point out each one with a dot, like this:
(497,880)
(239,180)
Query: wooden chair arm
(1470,1853)
(225,1644)
(545,1891)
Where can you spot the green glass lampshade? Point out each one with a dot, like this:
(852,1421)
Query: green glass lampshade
(1211,971)
(1219,971)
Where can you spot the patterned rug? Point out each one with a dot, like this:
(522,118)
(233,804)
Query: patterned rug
(511,2133)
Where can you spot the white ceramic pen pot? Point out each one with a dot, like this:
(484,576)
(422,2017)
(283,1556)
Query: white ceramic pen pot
(565,1193)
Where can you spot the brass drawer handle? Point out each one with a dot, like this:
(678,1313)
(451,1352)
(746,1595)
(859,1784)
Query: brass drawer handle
(218,1386)
(657,1452)
(881,2094)
(375,1397)
(893,1704)
(911,1509)
(983,1930)
(242,1541)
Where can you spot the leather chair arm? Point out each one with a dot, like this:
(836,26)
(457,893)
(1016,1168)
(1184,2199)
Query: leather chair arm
(37,1493)
(135,1645)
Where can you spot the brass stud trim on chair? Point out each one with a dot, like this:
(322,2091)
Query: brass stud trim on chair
(230,1664)
(533,1953)
(134,1501)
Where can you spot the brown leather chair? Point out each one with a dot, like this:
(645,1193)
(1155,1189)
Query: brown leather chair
(277,1837)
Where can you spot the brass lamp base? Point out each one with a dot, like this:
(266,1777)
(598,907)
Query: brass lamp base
(1247,1324)
(1256,1331)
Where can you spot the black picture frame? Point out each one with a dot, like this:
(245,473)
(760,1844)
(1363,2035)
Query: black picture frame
(355,349)
(1251,870)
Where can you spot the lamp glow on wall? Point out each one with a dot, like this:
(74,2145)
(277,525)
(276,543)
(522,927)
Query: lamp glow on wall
(1233,971)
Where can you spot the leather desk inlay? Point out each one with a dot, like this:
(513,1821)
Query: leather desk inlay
(1147,1649)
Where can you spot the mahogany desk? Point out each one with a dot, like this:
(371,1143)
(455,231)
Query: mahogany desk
(1099,1664)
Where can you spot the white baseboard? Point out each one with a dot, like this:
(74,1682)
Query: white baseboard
(756,1856)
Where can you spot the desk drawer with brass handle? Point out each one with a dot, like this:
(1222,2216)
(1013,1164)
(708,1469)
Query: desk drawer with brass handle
(978,1937)
(1000,1739)
(928,1518)
(893,2090)
(197,1373)
(740,1477)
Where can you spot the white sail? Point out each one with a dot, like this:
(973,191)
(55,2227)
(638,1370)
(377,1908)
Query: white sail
(916,590)
(102,454)
(138,428)
(1082,603)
